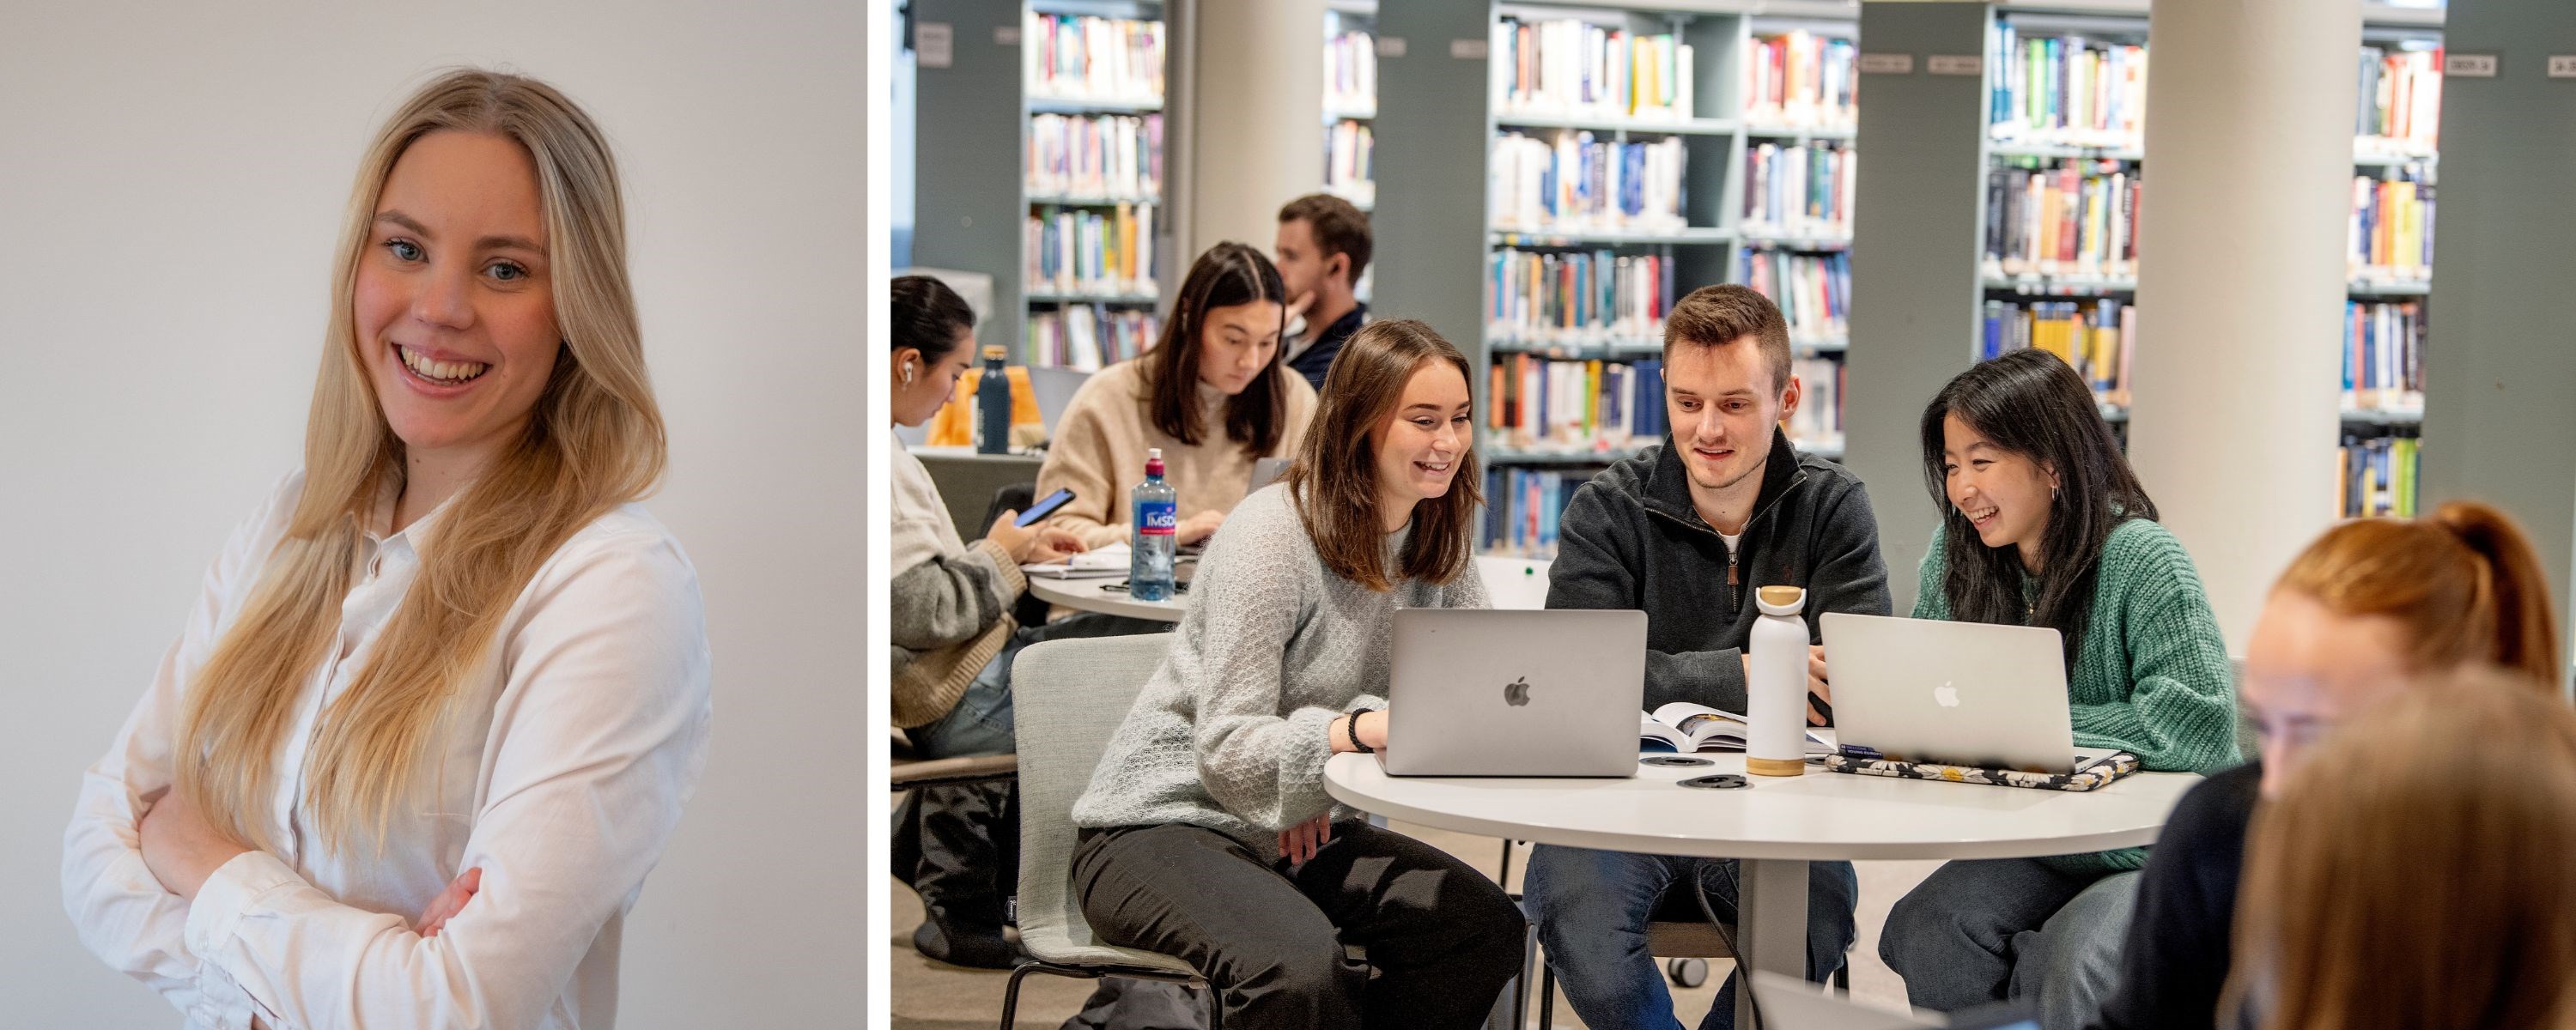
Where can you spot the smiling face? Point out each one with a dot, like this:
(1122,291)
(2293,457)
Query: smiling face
(1236,342)
(2004,495)
(1420,444)
(1723,404)
(2308,667)
(453,297)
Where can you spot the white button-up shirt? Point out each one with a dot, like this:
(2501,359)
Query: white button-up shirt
(559,772)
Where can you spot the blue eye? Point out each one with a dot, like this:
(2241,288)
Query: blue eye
(508,271)
(403,250)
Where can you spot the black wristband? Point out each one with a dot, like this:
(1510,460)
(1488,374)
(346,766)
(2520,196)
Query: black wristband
(1352,728)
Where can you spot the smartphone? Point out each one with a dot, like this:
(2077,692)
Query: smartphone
(1038,512)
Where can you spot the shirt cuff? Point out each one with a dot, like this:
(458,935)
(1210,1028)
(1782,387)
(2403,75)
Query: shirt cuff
(222,1003)
(229,895)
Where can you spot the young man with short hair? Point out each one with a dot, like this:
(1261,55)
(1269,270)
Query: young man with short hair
(1322,248)
(1685,531)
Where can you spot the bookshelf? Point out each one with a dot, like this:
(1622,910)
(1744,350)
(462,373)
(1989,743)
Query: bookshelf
(1713,145)
(1350,100)
(1046,169)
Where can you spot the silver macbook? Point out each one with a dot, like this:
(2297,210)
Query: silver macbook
(1478,692)
(1266,471)
(1955,693)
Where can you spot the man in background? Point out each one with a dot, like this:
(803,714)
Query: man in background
(1322,248)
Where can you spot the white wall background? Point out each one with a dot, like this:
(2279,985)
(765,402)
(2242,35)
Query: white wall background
(171,177)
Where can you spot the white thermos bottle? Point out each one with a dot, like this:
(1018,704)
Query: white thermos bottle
(1776,690)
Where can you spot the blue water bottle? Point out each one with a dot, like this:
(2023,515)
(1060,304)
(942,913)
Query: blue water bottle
(1149,569)
(993,405)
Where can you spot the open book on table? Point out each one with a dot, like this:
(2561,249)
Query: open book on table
(1686,727)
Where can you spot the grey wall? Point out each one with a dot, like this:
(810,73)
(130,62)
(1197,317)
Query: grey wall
(1918,220)
(1431,131)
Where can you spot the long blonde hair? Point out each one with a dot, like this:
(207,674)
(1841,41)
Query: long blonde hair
(594,441)
(2414,872)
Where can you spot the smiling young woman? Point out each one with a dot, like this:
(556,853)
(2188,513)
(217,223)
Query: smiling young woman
(435,714)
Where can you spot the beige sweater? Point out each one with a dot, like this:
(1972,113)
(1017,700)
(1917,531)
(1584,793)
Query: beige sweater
(951,602)
(1100,443)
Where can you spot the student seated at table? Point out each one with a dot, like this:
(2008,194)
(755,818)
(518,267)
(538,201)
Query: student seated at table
(2044,524)
(952,637)
(2412,873)
(1685,531)
(1212,394)
(1207,833)
(1323,246)
(2373,610)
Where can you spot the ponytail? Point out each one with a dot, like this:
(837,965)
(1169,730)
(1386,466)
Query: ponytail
(2464,584)
(2526,631)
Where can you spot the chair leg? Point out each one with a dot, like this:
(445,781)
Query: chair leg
(1216,1008)
(1011,995)
(1504,878)
(1546,997)
(1842,979)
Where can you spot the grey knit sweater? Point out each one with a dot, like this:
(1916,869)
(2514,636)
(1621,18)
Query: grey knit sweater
(1229,732)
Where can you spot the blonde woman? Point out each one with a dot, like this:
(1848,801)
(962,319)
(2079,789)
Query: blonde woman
(433,716)
(2412,873)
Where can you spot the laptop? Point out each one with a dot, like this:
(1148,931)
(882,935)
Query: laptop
(1788,1003)
(1952,693)
(1480,692)
(1266,471)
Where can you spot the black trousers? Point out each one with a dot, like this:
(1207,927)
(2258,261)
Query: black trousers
(1442,938)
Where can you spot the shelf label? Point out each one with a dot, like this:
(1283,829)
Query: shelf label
(1887,64)
(1006,35)
(934,43)
(1467,49)
(2562,66)
(1955,64)
(2469,66)
(1390,46)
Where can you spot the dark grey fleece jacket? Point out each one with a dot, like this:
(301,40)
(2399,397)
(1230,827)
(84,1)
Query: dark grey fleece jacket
(1631,539)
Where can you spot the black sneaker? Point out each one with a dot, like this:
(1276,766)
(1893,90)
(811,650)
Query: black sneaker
(974,952)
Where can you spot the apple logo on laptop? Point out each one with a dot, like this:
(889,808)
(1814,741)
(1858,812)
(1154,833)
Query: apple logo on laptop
(1946,695)
(1516,693)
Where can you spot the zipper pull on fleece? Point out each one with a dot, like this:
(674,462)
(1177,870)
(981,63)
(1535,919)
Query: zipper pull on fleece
(1730,567)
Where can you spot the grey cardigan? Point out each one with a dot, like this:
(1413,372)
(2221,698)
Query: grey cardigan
(1229,732)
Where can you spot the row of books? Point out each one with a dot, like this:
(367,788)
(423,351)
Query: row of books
(1802,80)
(2401,101)
(2383,354)
(1799,190)
(1112,156)
(1576,297)
(2391,231)
(1573,406)
(1522,506)
(1567,67)
(1349,155)
(2065,90)
(1812,290)
(1076,250)
(2079,218)
(1818,422)
(2377,477)
(1580,184)
(2094,337)
(1089,337)
(1350,71)
(1080,57)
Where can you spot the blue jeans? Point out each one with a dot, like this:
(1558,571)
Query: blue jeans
(1592,907)
(982,722)
(1980,932)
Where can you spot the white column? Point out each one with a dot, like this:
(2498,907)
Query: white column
(2241,234)
(1255,120)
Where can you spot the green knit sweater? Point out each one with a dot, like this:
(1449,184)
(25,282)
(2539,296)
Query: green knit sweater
(2151,675)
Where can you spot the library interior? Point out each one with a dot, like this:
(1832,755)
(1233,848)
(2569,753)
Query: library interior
(1122,194)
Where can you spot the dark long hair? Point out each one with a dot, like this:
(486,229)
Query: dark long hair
(1228,274)
(1334,480)
(2028,402)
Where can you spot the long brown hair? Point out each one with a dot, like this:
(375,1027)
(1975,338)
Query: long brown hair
(1334,480)
(2414,871)
(2465,582)
(1228,274)
(593,442)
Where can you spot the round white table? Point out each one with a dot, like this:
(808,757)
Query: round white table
(1776,826)
(1095,595)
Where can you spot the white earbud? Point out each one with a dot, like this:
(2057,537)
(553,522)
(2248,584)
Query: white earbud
(907,373)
